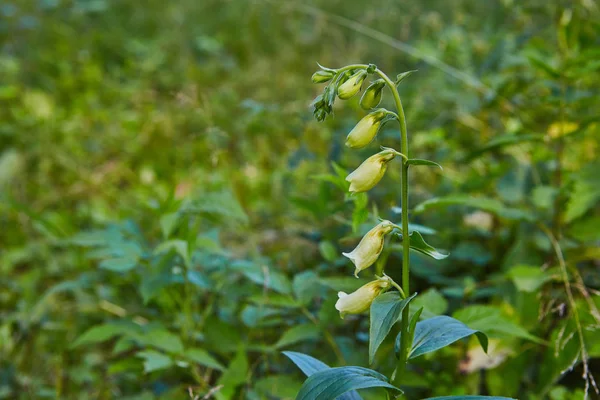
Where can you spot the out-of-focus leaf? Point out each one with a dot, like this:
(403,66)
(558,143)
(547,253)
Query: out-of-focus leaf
(502,141)
(432,301)
(282,387)
(482,203)
(164,340)
(528,278)
(235,374)
(298,333)
(489,319)
(202,357)
(101,333)
(221,204)
(153,360)
(121,264)
(264,275)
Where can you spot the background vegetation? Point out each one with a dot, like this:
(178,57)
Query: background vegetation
(170,220)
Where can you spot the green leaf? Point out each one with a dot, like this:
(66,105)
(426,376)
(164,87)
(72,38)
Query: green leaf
(164,340)
(344,283)
(310,366)
(385,311)
(202,357)
(307,364)
(100,333)
(469,398)
(235,375)
(298,333)
(585,193)
(420,161)
(120,264)
(221,204)
(417,243)
(264,275)
(435,333)
(490,205)
(433,303)
(333,382)
(490,320)
(503,141)
(528,278)
(277,387)
(400,77)
(328,251)
(153,360)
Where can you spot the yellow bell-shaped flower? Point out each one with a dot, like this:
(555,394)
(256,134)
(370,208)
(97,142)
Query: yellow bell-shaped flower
(361,299)
(352,86)
(365,131)
(370,172)
(370,246)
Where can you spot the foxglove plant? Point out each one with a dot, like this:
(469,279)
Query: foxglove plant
(387,301)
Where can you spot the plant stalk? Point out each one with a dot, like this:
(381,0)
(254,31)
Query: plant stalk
(404,336)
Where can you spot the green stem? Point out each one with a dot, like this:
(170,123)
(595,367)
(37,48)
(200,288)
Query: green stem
(404,345)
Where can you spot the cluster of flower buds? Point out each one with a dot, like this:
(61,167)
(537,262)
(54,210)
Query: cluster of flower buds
(345,83)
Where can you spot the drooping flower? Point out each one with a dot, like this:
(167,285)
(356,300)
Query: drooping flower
(372,96)
(365,130)
(370,246)
(360,300)
(369,173)
(352,86)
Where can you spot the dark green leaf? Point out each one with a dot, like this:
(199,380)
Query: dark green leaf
(469,398)
(333,382)
(310,366)
(438,332)
(417,243)
(385,311)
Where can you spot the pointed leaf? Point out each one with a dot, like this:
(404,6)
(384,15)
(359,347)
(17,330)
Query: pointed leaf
(469,398)
(420,161)
(153,360)
(486,204)
(417,243)
(333,382)
(438,332)
(297,334)
(202,357)
(385,311)
(310,366)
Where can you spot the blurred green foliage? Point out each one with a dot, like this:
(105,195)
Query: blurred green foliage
(169,211)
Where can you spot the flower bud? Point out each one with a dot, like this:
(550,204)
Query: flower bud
(372,96)
(322,76)
(365,131)
(369,173)
(352,85)
(370,246)
(361,299)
